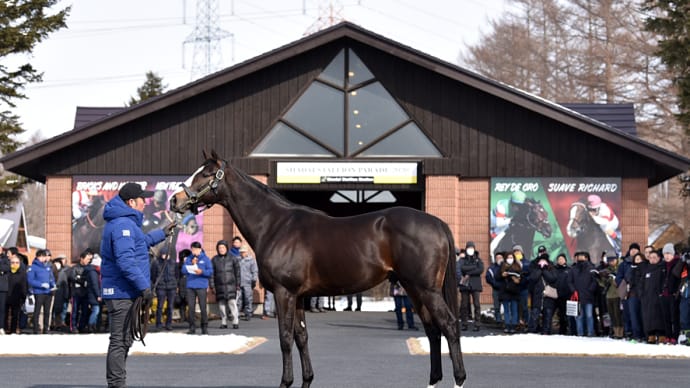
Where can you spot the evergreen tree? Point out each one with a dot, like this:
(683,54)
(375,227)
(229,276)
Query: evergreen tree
(671,21)
(23,24)
(153,86)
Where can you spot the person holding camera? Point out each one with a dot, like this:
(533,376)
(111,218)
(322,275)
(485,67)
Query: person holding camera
(470,285)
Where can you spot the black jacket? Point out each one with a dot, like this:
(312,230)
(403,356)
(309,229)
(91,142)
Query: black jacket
(18,286)
(652,281)
(226,276)
(582,280)
(169,274)
(539,277)
(474,267)
(4,273)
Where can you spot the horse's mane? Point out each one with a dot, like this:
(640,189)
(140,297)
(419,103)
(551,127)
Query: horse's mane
(270,192)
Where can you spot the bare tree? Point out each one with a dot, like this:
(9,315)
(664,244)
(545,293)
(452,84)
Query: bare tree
(595,51)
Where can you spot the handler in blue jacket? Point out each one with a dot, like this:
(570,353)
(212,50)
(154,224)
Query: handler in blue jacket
(125,271)
(199,269)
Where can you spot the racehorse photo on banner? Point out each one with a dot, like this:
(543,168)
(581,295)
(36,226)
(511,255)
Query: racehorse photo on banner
(565,215)
(90,194)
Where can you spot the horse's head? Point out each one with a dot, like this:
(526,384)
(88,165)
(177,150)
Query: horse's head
(202,188)
(578,217)
(538,217)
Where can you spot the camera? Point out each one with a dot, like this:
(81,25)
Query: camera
(686,257)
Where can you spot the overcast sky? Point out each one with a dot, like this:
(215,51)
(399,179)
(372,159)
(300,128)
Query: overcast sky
(109,45)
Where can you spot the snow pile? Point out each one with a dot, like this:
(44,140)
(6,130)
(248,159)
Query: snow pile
(535,344)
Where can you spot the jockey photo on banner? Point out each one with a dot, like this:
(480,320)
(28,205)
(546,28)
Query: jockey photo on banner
(563,214)
(91,193)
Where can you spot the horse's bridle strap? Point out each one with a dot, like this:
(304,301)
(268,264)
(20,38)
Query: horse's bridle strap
(212,185)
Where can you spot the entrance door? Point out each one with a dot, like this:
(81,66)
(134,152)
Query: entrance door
(344,203)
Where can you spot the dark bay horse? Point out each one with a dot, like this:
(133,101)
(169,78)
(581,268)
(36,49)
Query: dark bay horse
(523,226)
(304,252)
(586,233)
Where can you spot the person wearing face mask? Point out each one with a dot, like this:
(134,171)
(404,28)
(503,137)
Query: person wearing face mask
(523,307)
(632,278)
(61,298)
(494,279)
(42,282)
(17,289)
(564,293)
(472,268)
(582,280)
(510,293)
(622,285)
(652,279)
(541,275)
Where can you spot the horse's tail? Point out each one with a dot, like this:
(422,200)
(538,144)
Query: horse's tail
(450,293)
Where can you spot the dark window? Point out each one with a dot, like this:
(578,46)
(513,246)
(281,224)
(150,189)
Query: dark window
(285,141)
(317,124)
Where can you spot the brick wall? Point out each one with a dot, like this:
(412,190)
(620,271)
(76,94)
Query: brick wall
(58,219)
(634,215)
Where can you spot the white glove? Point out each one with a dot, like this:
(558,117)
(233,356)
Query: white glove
(45,285)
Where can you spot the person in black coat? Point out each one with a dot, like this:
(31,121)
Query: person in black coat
(17,290)
(582,280)
(225,283)
(652,278)
(542,274)
(562,276)
(4,286)
(167,274)
(470,284)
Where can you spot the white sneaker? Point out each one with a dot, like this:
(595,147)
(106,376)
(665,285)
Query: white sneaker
(2,331)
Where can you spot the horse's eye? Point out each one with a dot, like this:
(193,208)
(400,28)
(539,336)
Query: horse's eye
(206,174)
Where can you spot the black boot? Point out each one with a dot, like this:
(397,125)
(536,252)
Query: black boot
(204,329)
(192,330)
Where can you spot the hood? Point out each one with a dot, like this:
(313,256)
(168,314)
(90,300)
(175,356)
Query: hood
(116,208)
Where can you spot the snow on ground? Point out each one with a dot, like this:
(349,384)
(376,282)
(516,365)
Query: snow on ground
(178,343)
(554,345)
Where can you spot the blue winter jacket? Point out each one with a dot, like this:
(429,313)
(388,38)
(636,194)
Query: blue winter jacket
(125,270)
(38,275)
(194,280)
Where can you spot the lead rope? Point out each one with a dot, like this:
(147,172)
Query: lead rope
(137,318)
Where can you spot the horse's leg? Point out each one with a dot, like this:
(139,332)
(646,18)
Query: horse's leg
(301,339)
(443,319)
(434,335)
(285,309)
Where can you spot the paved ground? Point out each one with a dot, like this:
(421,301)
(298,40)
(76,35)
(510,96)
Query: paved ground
(349,349)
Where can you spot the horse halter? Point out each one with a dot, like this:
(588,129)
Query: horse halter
(212,185)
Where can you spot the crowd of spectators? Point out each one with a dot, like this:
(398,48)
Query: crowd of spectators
(643,296)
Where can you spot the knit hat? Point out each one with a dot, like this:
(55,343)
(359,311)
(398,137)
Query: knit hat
(244,248)
(668,248)
(469,244)
(517,248)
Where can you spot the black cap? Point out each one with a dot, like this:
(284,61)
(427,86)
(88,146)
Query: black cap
(541,249)
(133,190)
(469,244)
(634,246)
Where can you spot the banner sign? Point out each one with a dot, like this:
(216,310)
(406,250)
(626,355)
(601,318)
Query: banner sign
(346,172)
(91,193)
(565,215)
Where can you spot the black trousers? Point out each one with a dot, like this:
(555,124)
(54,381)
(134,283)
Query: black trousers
(3,309)
(192,295)
(120,342)
(465,308)
(43,303)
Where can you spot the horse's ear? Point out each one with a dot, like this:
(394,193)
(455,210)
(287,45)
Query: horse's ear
(214,155)
(205,154)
